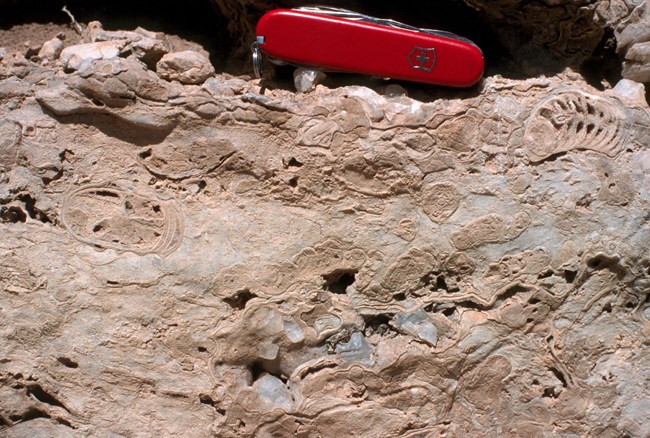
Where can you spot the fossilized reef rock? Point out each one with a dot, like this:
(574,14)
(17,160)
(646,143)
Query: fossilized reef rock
(211,260)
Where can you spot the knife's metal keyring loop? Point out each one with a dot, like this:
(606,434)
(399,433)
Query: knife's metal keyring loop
(257,60)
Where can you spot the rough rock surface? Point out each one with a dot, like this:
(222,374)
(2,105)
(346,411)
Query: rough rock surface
(222,260)
(187,67)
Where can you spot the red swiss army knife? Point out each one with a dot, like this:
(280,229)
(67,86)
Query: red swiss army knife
(332,39)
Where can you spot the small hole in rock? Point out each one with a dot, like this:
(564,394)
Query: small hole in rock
(106,193)
(67,362)
(145,154)
(256,371)
(399,297)
(449,312)
(293,163)
(13,214)
(570,275)
(156,208)
(206,400)
(549,393)
(261,367)
(377,324)
(441,284)
(97,228)
(338,281)
(607,308)
(30,208)
(239,300)
(201,349)
(596,263)
(293,182)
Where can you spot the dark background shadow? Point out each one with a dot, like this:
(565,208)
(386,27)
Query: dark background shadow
(202,21)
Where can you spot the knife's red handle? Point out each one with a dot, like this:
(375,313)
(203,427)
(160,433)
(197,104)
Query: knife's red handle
(339,44)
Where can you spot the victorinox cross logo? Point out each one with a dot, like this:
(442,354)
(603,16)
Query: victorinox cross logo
(421,58)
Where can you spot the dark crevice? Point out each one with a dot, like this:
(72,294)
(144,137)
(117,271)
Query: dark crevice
(30,414)
(604,63)
(205,399)
(441,283)
(570,275)
(377,324)
(57,176)
(436,281)
(338,281)
(239,300)
(293,163)
(549,393)
(12,214)
(197,21)
(611,263)
(67,362)
(607,308)
(43,396)
(558,375)
(505,36)
(449,312)
(63,155)
(256,371)
(263,366)
(145,153)
(552,157)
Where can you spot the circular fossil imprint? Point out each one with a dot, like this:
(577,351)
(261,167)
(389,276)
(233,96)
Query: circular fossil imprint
(440,201)
(573,120)
(106,217)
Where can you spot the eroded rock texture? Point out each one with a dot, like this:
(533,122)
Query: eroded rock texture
(208,259)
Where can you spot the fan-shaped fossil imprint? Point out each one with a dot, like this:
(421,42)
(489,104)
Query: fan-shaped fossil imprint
(573,120)
(106,217)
